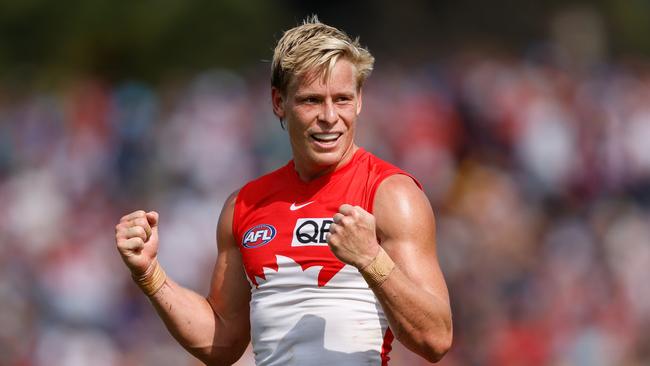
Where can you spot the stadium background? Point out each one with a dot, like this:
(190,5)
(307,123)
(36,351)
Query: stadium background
(527,122)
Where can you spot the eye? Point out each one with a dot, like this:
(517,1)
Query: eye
(309,100)
(343,99)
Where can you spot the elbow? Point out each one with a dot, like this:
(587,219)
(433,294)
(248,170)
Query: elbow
(435,346)
(435,350)
(222,356)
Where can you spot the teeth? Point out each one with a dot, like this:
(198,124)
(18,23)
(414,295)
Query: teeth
(326,136)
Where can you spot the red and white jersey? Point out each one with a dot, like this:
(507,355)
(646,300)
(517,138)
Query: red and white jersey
(307,307)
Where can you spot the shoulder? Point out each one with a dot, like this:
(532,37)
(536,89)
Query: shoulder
(384,176)
(229,204)
(399,190)
(401,207)
(225,223)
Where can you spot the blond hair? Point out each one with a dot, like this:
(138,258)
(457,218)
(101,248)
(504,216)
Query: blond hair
(314,46)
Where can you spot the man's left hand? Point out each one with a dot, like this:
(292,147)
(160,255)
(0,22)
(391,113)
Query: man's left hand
(352,237)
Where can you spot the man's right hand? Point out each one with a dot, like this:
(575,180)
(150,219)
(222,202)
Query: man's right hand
(136,237)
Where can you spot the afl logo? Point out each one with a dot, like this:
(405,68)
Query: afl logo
(258,235)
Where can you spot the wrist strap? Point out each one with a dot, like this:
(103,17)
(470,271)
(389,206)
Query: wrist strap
(152,282)
(378,270)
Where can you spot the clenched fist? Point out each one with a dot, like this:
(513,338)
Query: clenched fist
(136,237)
(352,237)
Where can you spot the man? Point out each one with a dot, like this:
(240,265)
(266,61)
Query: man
(323,260)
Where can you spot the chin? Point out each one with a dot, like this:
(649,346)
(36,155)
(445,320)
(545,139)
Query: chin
(325,159)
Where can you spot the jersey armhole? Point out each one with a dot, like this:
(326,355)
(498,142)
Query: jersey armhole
(380,179)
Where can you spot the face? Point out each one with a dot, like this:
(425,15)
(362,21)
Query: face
(320,119)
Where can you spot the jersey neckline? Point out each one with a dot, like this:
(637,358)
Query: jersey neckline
(323,179)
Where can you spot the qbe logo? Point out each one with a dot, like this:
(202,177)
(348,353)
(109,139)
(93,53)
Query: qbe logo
(258,235)
(311,232)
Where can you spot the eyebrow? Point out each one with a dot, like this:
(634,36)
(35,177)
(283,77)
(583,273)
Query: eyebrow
(319,95)
(308,95)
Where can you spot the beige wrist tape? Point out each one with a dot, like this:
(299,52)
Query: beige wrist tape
(378,270)
(151,283)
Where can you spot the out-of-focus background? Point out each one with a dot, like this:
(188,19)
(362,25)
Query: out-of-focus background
(527,122)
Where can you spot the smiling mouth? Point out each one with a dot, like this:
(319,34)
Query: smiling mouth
(325,137)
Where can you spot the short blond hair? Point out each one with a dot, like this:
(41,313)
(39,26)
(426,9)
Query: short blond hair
(316,46)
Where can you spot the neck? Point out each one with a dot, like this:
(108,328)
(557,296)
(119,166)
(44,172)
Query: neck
(309,171)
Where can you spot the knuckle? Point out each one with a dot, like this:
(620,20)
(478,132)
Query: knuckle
(133,232)
(332,239)
(136,242)
(132,215)
(121,232)
(142,223)
(128,244)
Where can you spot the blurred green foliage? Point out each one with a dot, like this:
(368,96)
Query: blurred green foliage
(122,39)
(151,39)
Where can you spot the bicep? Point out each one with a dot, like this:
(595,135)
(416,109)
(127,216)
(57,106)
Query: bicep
(229,290)
(406,230)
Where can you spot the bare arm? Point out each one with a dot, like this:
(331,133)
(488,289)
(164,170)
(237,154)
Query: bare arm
(214,329)
(414,295)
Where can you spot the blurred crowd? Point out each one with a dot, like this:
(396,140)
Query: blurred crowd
(539,176)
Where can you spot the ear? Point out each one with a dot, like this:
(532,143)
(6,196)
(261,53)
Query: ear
(278,102)
(359,101)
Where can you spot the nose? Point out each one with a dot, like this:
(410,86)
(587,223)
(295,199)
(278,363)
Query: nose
(328,113)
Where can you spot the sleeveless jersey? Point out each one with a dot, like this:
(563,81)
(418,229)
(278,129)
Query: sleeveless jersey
(307,307)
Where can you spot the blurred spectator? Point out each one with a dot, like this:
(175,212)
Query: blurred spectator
(539,179)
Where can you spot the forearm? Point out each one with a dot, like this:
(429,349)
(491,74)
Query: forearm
(419,319)
(191,320)
(216,330)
